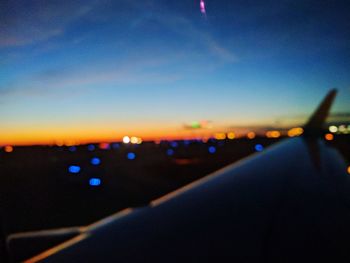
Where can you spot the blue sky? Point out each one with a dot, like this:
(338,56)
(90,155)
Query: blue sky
(131,65)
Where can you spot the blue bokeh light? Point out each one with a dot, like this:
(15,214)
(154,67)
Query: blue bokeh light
(95,161)
(170,152)
(74,169)
(95,181)
(131,156)
(91,147)
(259,147)
(174,144)
(72,149)
(211,149)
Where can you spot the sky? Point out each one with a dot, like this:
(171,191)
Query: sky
(97,70)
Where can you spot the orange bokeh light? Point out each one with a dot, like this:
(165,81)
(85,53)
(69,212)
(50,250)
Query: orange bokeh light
(251,135)
(329,137)
(8,149)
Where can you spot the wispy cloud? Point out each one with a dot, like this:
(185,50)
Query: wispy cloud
(23,23)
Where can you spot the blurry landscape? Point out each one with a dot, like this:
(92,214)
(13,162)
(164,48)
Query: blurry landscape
(45,187)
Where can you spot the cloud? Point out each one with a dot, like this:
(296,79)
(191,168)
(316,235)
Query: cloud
(82,79)
(29,22)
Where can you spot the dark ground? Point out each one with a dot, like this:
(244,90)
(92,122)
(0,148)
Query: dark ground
(38,192)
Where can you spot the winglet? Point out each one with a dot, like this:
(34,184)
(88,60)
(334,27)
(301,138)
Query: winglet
(315,123)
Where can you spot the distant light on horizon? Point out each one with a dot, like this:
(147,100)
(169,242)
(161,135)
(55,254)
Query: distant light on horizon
(251,135)
(333,129)
(133,140)
(8,149)
(231,135)
(273,134)
(348,169)
(104,146)
(91,147)
(295,132)
(174,144)
(220,136)
(126,139)
(72,148)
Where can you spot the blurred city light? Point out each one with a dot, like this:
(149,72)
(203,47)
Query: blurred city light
(251,135)
(115,146)
(91,147)
(295,132)
(74,169)
(104,146)
(131,156)
(259,147)
(333,129)
(231,135)
(133,140)
(273,134)
(8,149)
(348,169)
(95,181)
(211,149)
(95,161)
(174,144)
(329,137)
(126,139)
(72,148)
(220,136)
(170,152)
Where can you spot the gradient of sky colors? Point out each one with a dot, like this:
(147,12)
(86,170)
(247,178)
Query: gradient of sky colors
(96,70)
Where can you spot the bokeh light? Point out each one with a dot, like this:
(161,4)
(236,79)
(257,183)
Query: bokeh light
(72,148)
(329,137)
(91,147)
(126,139)
(170,152)
(333,129)
(220,136)
(231,135)
(74,169)
(131,156)
(211,149)
(251,135)
(95,161)
(295,132)
(259,147)
(273,134)
(8,149)
(95,181)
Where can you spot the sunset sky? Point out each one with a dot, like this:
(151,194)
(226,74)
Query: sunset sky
(98,70)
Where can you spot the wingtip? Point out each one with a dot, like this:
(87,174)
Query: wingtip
(315,124)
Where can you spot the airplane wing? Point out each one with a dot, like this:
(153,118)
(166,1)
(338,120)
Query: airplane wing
(289,203)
